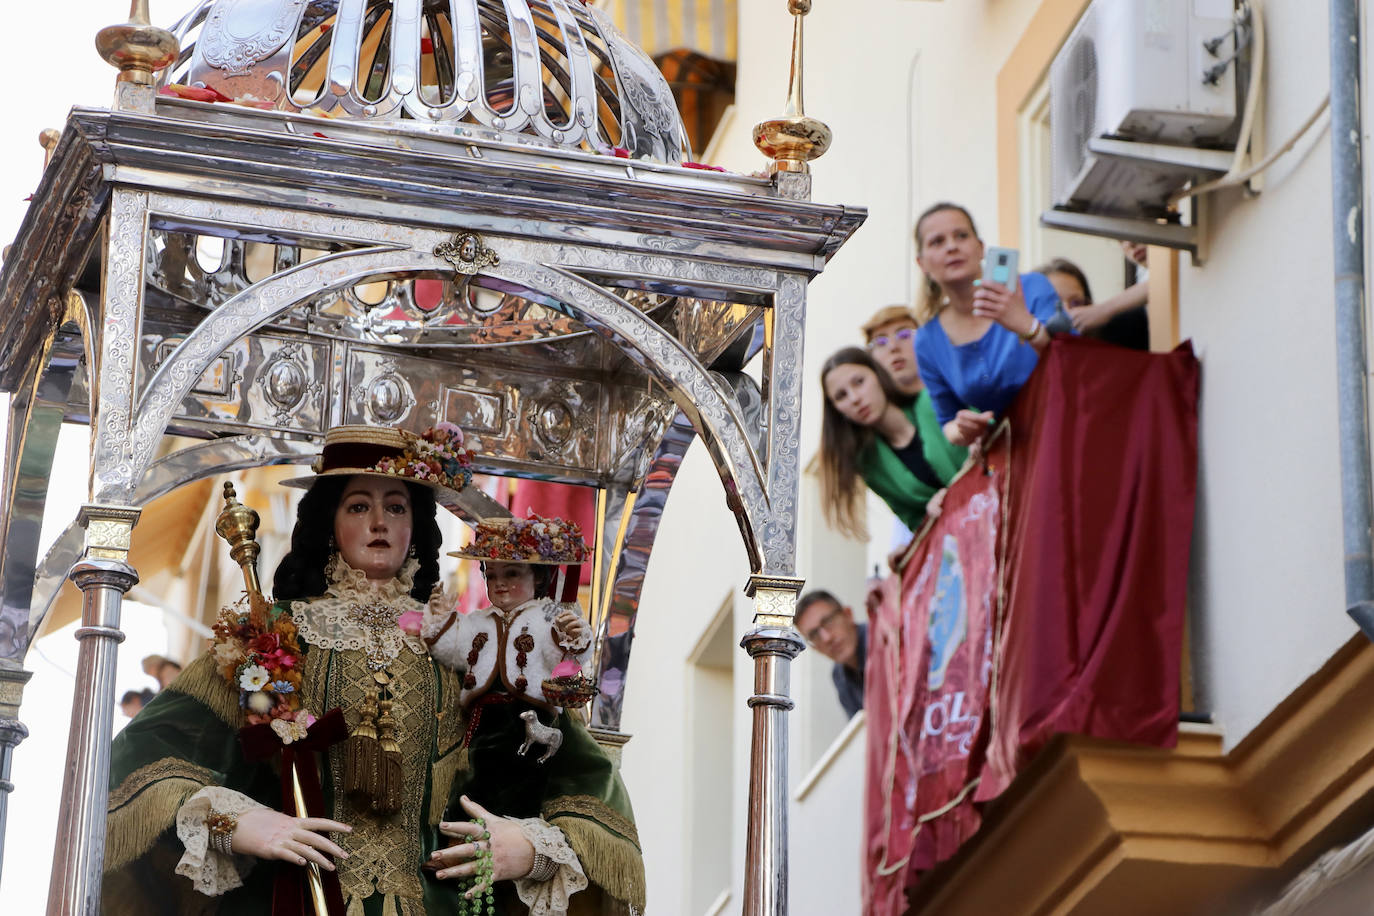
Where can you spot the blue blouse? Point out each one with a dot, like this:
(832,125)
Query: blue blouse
(984,374)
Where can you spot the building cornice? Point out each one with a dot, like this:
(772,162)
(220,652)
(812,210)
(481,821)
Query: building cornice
(1095,826)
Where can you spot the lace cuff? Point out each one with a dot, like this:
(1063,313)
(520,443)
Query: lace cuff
(550,898)
(211,872)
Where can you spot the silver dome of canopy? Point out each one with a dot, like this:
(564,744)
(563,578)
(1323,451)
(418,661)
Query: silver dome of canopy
(550,72)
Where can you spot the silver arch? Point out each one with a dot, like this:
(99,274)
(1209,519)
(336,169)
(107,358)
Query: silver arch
(687,381)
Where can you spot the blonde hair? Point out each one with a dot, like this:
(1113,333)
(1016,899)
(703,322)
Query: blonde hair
(885,316)
(930,302)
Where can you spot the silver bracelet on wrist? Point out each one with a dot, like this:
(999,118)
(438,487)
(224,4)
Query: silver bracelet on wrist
(543,868)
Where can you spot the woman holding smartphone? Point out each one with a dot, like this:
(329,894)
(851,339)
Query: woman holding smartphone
(979,339)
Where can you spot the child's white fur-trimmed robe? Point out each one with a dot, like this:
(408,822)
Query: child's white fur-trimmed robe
(524,641)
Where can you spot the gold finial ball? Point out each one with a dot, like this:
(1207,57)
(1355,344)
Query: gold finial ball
(137,50)
(48,137)
(792,142)
(799,7)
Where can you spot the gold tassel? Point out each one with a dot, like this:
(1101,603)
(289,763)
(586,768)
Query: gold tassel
(387,798)
(444,771)
(361,753)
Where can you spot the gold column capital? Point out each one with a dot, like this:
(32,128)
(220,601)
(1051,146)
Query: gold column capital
(775,597)
(109,530)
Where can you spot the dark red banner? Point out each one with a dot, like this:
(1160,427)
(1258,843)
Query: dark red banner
(1048,598)
(927,686)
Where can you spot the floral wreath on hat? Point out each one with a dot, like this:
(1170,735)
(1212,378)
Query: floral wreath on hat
(535,540)
(435,458)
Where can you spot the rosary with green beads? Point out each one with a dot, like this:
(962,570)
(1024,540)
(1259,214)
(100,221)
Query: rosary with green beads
(474,903)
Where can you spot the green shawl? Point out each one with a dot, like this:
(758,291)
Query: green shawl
(885,474)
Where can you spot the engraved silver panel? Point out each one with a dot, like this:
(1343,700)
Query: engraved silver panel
(510,415)
(258,382)
(614,623)
(35,418)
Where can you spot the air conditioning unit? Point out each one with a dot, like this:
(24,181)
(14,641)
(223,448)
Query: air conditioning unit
(1139,71)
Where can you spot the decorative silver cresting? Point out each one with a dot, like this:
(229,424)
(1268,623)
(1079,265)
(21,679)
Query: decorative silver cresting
(467,253)
(556,72)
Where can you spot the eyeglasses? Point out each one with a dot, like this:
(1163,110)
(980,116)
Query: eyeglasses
(903,336)
(814,633)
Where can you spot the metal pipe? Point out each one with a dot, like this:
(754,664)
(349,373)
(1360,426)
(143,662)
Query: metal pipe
(765,858)
(1347,219)
(80,849)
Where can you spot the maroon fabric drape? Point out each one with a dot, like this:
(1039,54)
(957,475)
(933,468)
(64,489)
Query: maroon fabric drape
(290,892)
(1095,480)
(1100,512)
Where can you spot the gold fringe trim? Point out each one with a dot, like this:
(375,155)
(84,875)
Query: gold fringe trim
(589,806)
(612,863)
(202,681)
(146,775)
(445,770)
(145,804)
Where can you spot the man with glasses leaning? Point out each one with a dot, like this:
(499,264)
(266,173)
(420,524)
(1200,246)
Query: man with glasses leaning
(830,629)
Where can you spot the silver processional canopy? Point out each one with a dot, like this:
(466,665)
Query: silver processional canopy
(400,212)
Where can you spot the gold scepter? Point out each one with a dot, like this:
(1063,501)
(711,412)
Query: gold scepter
(238,524)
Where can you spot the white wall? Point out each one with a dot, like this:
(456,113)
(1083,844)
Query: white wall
(697,563)
(859,69)
(1267,587)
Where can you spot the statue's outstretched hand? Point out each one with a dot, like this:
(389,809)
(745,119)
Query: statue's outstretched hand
(269,834)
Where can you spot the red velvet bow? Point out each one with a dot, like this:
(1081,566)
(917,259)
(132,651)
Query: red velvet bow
(290,890)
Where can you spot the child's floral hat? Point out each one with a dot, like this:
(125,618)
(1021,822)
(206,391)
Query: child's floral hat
(535,540)
(435,458)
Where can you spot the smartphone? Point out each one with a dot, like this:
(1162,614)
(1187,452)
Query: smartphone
(999,266)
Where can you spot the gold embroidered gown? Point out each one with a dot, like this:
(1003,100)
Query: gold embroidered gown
(180,756)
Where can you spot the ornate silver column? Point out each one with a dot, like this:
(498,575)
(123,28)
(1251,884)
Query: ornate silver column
(772,644)
(103,577)
(12,731)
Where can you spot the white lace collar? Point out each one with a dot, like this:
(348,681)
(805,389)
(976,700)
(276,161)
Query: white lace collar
(343,581)
(356,613)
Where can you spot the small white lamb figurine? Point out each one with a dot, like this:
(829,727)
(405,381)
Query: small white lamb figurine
(537,732)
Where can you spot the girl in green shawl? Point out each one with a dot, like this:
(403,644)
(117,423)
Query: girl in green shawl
(872,433)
